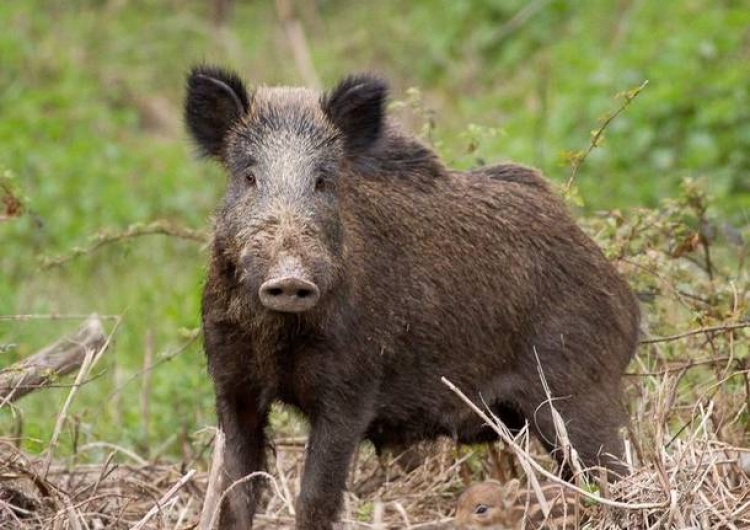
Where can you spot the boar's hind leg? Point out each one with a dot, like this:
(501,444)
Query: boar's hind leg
(333,439)
(592,422)
(243,423)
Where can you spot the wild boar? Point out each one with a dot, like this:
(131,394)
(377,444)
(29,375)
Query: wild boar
(350,270)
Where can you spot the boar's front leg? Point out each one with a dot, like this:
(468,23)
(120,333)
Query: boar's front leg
(243,421)
(334,437)
(243,417)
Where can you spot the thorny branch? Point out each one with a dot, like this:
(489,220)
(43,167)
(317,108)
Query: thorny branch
(578,158)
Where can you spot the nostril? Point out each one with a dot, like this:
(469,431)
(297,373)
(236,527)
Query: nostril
(275,291)
(304,293)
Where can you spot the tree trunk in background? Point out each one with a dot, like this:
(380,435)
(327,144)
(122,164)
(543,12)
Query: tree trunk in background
(220,11)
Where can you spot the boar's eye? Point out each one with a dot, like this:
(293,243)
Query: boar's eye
(323,183)
(250,178)
(481,509)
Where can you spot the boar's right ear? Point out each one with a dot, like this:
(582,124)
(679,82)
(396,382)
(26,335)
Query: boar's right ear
(356,107)
(215,100)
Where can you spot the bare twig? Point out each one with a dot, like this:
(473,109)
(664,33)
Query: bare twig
(117,449)
(518,20)
(105,238)
(120,384)
(54,316)
(711,329)
(163,500)
(682,367)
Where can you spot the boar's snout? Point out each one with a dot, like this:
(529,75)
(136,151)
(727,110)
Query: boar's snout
(289,294)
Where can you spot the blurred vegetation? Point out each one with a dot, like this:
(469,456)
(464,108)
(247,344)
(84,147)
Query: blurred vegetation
(91,140)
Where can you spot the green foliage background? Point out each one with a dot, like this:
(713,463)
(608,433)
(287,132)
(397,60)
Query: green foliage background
(81,82)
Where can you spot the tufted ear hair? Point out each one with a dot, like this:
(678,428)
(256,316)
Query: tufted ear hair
(357,107)
(216,99)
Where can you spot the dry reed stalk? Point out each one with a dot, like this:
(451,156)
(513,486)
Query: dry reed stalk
(214,489)
(92,356)
(148,354)
(524,456)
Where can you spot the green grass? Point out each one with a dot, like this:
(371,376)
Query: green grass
(77,79)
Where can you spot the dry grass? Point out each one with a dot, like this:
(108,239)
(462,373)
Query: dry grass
(684,474)
(117,495)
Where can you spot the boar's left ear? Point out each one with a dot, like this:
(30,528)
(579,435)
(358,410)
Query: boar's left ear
(216,99)
(357,107)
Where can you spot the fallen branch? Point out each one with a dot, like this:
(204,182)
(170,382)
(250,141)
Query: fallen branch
(56,360)
(104,238)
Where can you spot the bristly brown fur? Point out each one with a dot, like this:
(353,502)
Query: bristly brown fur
(423,273)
